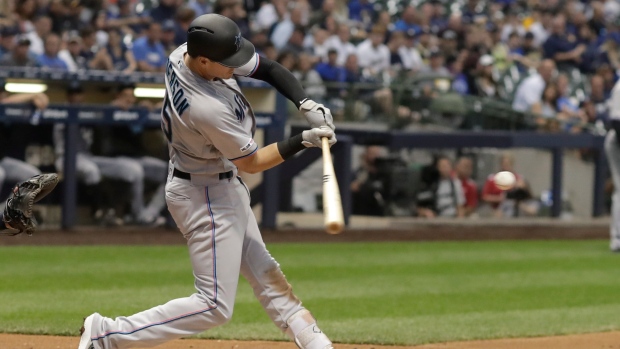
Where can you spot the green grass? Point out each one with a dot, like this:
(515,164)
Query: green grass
(393,293)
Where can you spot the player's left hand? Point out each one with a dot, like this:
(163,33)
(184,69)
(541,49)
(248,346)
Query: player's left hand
(317,114)
(312,138)
(18,210)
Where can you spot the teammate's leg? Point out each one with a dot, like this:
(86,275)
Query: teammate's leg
(612,150)
(208,218)
(17,171)
(275,293)
(127,170)
(155,170)
(2,176)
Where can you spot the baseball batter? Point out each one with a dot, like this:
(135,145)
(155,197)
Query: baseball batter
(612,150)
(210,126)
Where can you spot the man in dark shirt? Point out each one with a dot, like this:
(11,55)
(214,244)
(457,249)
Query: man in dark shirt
(20,57)
(563,48)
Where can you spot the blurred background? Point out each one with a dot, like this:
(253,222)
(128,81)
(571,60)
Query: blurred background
(430,98)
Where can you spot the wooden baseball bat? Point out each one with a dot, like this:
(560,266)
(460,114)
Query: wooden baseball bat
(332,204)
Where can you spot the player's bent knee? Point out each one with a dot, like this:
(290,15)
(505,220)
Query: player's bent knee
(302,328)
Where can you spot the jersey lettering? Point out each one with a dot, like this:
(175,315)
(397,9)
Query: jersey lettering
(165,118)
(178,100)
(240,112)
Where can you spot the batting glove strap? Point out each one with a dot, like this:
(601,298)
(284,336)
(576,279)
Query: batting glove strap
(317,114)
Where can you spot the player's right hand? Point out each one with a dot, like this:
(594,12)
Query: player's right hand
(312,138)
(317,114)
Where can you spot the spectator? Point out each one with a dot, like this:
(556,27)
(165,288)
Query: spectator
(165,10)
(185,16)
(565,103)
(448,45)
(21,56)
(341,43)
(408,20)
(200,7)
(412,60)
(268,14)
(494,197)
(372,53)
(50,59)
(149,51)
(72,54)
(309,78)
(168,32)
(436,64)
(65,15)
(122,17)
(332,73)
(485,82)
(7,42)
(373,94)
(599,99)
(296,42)
(361,11)
(287,59)
(396,42)
(328,9)
(464,169)
(530,90)
(445,194)
(234,10)
(546,108)
(283,30)
(562,47)
(368,188)
(119,56)
(319,45)
(42,26)
(531,54)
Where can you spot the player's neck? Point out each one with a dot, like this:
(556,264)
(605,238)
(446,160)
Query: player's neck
(196,68)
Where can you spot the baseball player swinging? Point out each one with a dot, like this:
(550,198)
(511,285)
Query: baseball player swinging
(209,125)
(612,151)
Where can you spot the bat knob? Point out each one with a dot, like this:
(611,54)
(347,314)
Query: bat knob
(334,228)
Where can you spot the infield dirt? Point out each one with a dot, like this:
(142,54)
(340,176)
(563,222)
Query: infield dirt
(606,340)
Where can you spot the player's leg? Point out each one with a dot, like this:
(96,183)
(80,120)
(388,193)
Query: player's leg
(612,150)
(127,170)
(275,293)
(155,170)
(208,218)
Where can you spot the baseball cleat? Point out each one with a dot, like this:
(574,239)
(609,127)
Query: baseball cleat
(85,331)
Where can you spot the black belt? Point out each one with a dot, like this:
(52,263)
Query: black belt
(187,176)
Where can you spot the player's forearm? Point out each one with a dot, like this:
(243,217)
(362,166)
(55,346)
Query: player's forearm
(283,80)
(264,159)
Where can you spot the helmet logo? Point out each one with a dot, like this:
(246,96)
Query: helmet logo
(238,41)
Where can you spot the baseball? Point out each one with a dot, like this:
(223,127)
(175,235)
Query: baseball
(504,180)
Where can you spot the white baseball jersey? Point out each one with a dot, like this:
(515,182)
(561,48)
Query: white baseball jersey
(208,123)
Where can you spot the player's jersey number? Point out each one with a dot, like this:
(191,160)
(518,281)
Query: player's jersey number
(165,118)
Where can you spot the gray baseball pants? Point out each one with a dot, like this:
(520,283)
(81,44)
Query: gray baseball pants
(612,150)
(223,239)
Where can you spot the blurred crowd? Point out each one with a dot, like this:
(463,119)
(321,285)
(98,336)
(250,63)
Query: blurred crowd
(556,59)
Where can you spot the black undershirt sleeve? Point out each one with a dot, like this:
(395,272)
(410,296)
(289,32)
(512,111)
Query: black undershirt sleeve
(283,80)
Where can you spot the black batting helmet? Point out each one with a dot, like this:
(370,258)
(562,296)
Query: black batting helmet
(218,38)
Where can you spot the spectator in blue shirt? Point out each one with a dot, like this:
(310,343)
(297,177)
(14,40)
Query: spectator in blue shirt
(361,11)
(332,73)
(407,21)
(563,48)
(49,58)
(149,51)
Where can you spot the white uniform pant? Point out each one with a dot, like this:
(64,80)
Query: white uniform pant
(612,151)
(223,239)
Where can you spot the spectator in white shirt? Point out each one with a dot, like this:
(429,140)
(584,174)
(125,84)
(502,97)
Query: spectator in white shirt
(409,54)
(529,91)
(340,43)
(284,29)
(372,53)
